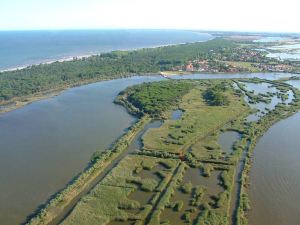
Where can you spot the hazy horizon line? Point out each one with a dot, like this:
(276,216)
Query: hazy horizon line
(175,29)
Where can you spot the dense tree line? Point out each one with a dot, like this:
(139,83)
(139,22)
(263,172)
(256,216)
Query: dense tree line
(112,65)
(215,95)
(156,97)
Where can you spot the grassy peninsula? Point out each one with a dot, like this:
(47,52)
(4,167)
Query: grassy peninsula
(180,174)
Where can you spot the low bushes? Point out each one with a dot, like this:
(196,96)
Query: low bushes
(186,188)
(148,184)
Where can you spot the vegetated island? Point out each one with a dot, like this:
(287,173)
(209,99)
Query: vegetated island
(220,55)
(180,174)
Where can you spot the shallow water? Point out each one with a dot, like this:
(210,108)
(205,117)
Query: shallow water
(262,107)
(212,183)
(275,177)
(141,196)
(285,56)
(295,83)
(289,51)
(176,114)
(173,216)
(269,39)
(260,88)
(227,139)
(137,142)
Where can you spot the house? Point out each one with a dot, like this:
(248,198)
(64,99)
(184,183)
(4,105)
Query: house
(189,67)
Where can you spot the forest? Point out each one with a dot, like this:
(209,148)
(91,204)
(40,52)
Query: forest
(156,97)
(215,95)
(46,77)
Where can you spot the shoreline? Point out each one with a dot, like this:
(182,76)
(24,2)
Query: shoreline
(47,62)
(267,123)
(57,207)
(87,55)
(20,102)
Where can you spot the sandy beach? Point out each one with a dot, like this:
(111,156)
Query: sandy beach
(64,59)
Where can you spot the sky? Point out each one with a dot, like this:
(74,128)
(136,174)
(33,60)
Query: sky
(231,15)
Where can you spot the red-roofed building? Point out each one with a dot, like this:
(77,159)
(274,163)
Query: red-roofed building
(189,67)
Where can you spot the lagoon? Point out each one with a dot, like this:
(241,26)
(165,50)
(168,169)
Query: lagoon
(46,143)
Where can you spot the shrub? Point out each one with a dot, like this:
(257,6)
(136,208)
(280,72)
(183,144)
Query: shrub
(148,184)
(186,188)
(178,206)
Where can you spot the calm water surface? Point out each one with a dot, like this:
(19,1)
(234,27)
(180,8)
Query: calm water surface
(295,83)
(23,48)
(227,139)
(275,176)
(46,143)
(269,76)
(177,114)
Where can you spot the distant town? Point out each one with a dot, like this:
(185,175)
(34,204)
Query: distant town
(236,60)
(230,67)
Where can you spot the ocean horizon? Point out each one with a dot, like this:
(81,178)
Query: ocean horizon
(19,49)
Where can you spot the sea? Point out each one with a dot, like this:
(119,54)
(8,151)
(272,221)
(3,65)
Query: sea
(23,48)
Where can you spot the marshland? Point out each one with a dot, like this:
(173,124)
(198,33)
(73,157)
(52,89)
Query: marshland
(64,146)
(189,165)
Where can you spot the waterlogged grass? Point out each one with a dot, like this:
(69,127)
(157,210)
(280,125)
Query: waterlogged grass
(182,175)
(101,206)
(252,132)
(198,121)
(110,199)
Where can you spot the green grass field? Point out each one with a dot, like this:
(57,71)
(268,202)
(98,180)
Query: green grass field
(198,121)
(182,175)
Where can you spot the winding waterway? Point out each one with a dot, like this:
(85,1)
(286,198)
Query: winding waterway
(46,143)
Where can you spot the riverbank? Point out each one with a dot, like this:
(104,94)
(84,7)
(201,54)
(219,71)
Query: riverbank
(33,81)
(26,48)
(117,64)
(20,102)
(163,197)
(274,187)
(255,131)
(205,157)
(60,104)
(54,209)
